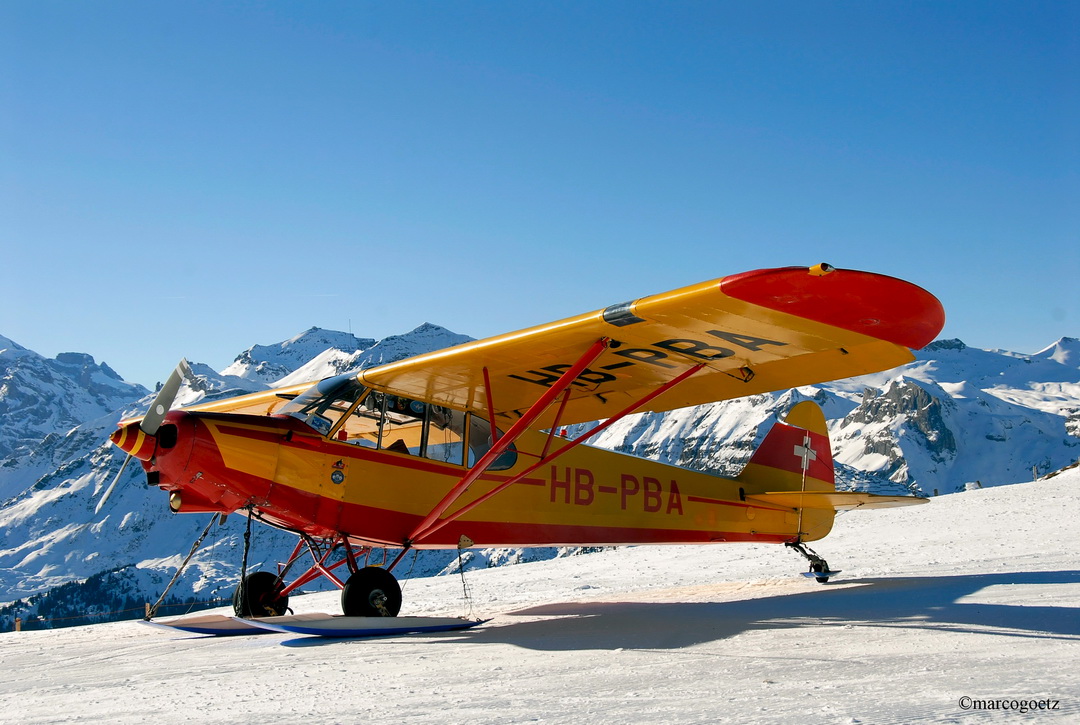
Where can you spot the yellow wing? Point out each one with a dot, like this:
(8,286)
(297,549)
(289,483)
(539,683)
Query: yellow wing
(754,332)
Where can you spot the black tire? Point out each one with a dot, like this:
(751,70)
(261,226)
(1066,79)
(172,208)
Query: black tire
(821,566)
(259,596)
(371,592)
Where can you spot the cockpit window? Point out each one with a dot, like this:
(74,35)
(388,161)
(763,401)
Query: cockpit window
(445,435)
(343,409)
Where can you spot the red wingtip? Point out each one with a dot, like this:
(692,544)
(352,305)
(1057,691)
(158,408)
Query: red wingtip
(871,304)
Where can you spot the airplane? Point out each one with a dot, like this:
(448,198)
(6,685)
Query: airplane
(468,446)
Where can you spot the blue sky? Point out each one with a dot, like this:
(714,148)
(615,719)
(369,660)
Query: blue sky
(189,179)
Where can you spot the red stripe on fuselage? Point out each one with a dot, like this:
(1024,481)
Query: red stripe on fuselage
(738,504)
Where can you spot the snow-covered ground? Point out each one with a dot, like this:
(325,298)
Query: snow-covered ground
(973,597)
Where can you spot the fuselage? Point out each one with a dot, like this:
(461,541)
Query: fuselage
(300,479)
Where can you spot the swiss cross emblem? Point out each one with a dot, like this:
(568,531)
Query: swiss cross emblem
(806,452)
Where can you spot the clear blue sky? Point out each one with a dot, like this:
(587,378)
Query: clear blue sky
(191,178)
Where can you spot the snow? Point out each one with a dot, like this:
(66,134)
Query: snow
(10,350)
(974,595)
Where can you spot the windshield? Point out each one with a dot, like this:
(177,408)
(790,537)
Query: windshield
(323,404)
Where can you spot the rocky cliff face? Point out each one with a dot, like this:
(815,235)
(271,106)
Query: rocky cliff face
(960,417)
(40,396)
(904,410)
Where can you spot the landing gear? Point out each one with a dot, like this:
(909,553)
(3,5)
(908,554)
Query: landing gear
(259,595)
(819,568)
(371,592)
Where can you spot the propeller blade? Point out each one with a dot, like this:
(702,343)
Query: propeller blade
(164,400)
(109,490)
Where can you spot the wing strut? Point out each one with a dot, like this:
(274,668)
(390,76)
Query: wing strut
(436,525)
(520,426)
(555,425)
(490,406)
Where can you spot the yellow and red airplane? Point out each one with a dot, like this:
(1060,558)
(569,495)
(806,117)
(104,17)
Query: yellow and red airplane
(466,447)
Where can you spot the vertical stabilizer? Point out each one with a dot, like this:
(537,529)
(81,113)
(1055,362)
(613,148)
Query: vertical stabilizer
(795,456)
(793,447)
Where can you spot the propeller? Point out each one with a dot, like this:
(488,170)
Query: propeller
(153,418)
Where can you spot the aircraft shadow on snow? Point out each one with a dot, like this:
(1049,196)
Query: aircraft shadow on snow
(928,603)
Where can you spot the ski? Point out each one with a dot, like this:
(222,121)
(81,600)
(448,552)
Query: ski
(324,625)
(220,625)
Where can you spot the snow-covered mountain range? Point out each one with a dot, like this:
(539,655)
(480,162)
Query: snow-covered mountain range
(956,418)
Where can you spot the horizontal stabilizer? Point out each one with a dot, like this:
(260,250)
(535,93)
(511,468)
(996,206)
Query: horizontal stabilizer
(836,500)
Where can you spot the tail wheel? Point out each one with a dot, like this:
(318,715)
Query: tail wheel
(371,592)
(259,595)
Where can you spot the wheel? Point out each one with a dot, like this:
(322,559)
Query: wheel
(371,592)
(259,596)
(820,566)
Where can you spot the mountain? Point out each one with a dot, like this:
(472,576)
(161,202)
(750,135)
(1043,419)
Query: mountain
(1065,351)
(955,418)
(267,364)
(334,360)
(40,396)
(958,417)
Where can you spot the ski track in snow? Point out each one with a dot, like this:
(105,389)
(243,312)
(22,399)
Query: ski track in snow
(973,595)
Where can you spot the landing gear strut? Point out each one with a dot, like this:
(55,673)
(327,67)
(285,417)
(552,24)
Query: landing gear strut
(819,568)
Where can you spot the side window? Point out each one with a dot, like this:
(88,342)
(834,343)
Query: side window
(402,425)
(392,423)
(445,435)
(361,427)
(387,422)
(480,443)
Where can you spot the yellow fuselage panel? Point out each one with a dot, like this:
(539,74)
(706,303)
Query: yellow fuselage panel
(246,448)
(588,488)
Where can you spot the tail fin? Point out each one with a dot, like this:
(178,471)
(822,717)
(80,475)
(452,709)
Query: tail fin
(793,447)
(793,469)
